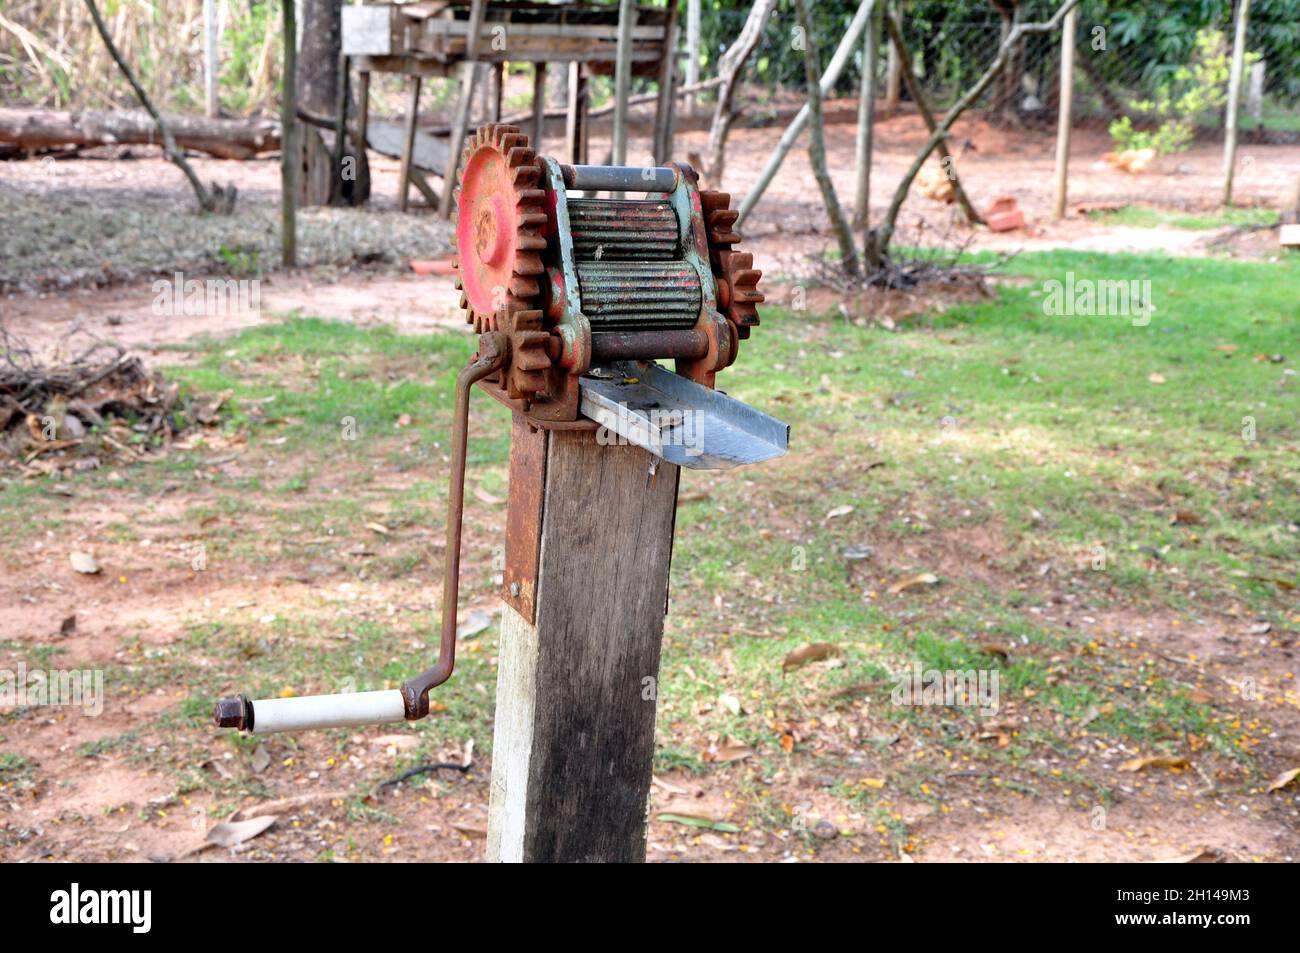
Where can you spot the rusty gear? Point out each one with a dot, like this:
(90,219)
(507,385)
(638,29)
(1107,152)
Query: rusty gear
(737,278)
(499,245)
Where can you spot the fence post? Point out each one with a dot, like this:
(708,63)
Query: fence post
(1063,111)
(1234,95)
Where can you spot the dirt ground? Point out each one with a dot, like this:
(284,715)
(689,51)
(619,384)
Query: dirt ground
(119,809)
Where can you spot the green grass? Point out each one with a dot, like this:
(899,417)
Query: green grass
(1047,432)
(1028,460)
(1141,216)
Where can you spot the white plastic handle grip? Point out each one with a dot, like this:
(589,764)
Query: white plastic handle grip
(327,711)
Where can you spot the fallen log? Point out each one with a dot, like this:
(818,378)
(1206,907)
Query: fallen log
(32,130)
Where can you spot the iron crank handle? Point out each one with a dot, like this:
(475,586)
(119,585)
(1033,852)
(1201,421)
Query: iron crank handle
(411,702)
(493,349)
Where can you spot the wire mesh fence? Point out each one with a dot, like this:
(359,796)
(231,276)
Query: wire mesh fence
(1113,78)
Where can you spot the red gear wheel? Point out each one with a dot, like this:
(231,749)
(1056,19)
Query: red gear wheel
(735,274)
(500,218)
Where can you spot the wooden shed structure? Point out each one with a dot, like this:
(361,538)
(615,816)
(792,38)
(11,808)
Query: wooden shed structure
(451,38)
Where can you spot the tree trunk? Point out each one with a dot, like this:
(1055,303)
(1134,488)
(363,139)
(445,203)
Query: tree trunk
(34,129)
(217,199)
(817,145)
(1008,84)
(878,240)
(730,70)
(831,75)
(947,159)
(320,178)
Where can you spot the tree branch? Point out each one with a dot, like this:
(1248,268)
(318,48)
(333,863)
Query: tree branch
(880,237)
(219,200)
(817,145)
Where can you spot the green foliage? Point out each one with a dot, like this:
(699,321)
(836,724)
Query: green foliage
(1192,90)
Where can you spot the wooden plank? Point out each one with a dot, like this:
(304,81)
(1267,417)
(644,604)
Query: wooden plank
(530,48)
(459,29)
(576,692)
(422,185)
(387,138)
(369,30)
(425,66)
(340,122)
(528,449)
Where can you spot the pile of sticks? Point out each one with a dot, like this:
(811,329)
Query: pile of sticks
(92,398)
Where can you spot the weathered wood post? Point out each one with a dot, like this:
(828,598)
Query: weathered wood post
(576,688)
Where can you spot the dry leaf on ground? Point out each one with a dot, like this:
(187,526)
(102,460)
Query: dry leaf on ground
(809,652)
(234,833)
(1156,761)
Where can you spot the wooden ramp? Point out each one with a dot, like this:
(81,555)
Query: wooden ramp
(429,156)
(430,151)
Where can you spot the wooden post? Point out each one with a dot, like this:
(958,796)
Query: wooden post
(576,688)
(498,89)
(661,140)
(573,124)
(866,118)
(539,104)
(288,145)
(1234,96)
(340,135)
(408,146)
(623,78)
(363,109)
(692,50)
(1063,111)
(460,122)
(210,57)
